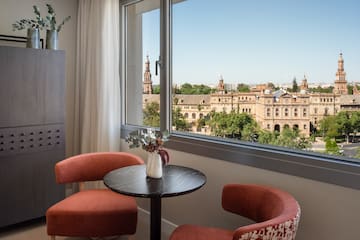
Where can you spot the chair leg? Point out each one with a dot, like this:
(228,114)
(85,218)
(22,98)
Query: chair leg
(52,237)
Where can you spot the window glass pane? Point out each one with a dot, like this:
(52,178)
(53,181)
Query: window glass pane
(274,72)
(142,52)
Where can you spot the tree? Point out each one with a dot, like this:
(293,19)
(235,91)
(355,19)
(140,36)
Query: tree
(152,114)
(228,125)
(355,123)
(178,120)
(266,137)
(156,89)
(201,122)
(187,88)
(294,85)
(250,132)
(328,127)
(322,90)
(331,147)
(270,85)
(344,124)
(289,138)
(242,87)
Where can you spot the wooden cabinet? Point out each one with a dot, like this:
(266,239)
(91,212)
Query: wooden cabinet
(32,131)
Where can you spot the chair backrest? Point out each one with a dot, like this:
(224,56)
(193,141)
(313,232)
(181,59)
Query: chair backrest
(92,166)
(275,212)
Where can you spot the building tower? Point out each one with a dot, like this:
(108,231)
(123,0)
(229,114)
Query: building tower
(147,84)
(340,86)
(355,90)
(221,85)
(304,87)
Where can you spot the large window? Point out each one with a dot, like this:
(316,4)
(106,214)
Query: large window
(141,62)
(228,52)
(232,72)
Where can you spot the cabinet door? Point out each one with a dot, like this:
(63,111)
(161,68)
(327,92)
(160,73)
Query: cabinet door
(32,138)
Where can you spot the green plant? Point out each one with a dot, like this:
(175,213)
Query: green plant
(51,20)
(150,140)
(37,23)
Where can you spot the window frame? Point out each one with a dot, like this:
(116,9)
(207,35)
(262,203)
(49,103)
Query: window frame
(320,167)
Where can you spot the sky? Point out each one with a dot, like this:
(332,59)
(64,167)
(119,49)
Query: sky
(259,41)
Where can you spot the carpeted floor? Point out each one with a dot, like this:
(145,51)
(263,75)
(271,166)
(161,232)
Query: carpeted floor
(36,230)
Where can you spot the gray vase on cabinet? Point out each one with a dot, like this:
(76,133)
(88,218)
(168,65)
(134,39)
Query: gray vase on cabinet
(51,39)
(33,38)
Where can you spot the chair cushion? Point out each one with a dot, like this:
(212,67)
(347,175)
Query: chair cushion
(188,232)
(93,213)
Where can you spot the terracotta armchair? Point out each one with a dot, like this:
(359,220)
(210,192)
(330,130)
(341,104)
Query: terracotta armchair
(96,212)
(275,212)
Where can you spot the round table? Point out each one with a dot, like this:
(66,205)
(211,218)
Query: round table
(176,180)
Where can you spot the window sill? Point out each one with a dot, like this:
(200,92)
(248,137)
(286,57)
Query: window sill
(320,167)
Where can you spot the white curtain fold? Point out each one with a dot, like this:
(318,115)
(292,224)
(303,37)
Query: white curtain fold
(97,94)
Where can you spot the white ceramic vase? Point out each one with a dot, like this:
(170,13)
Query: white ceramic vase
(154,167)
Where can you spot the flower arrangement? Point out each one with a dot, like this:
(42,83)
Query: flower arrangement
(151,141)
(37,23)
(51,20)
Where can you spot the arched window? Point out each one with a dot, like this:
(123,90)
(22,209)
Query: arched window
(286,112)
(193,115)
(277,127)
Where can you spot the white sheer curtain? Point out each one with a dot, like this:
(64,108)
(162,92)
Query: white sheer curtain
(97,91)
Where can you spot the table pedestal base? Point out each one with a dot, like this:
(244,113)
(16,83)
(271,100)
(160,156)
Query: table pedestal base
(155,219)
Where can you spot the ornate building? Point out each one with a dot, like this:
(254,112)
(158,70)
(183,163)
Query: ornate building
(147,84)
(272,110)
(340,86)
(304,87)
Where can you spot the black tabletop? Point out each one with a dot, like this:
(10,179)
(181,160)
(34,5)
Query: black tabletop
(176,180)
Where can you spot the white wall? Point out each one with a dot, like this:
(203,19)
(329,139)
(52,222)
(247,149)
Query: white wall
(328,211)
(12,10)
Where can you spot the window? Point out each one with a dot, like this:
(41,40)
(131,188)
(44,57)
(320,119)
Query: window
(276,112)
(183,56)
(268,112)
(140,62)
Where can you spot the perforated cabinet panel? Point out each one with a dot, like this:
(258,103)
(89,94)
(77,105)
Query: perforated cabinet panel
(24,140)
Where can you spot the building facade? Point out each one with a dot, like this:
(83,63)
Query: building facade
(272,110)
